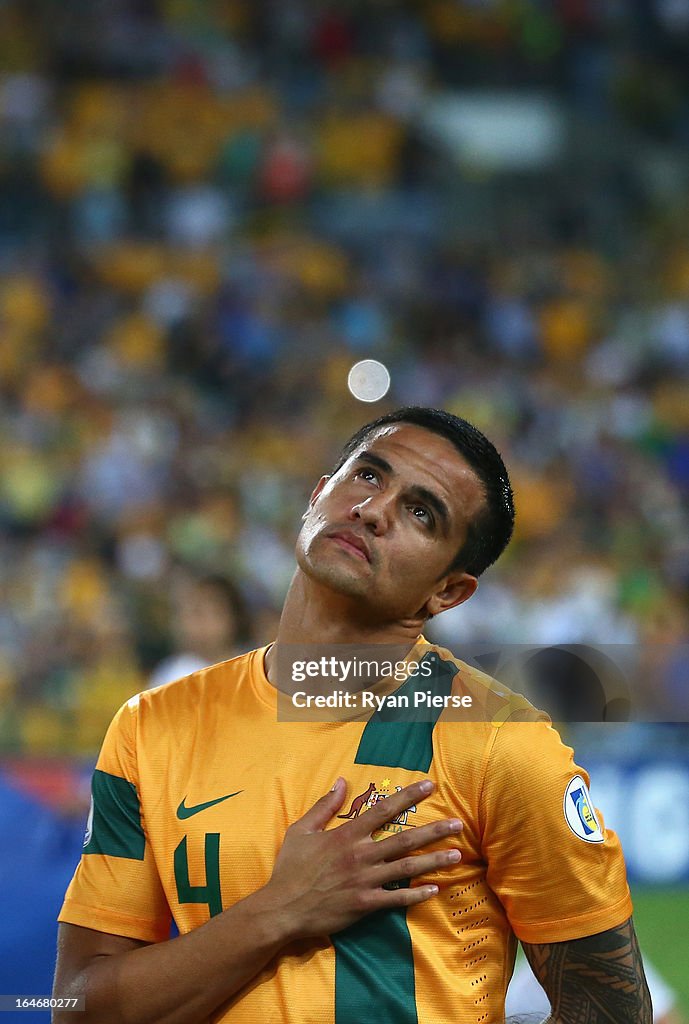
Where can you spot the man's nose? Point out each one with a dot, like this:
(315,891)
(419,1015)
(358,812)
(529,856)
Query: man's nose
(373,511)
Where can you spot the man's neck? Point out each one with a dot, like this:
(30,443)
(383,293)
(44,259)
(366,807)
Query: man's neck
(315,614)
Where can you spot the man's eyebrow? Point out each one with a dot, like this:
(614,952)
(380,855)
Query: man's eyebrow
(416,490)
(374,460)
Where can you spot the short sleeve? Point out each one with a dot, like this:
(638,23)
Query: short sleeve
(116,887)
(557,870)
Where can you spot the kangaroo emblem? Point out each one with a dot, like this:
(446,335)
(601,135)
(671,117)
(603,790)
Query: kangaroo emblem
(358,802)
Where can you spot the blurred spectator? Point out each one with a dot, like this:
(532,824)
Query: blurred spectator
(209,624)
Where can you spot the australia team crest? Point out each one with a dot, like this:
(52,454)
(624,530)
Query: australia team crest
(370,797)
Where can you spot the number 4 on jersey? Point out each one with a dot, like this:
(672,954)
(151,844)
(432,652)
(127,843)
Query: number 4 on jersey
(208,893)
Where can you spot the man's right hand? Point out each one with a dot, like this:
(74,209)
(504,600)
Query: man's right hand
(324,881)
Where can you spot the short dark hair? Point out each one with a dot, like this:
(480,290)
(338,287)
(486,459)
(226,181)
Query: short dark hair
(489,533)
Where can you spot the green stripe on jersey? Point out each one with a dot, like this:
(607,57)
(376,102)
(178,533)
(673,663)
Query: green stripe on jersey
(374,960)
(116,827)
(394,737)
(374,971)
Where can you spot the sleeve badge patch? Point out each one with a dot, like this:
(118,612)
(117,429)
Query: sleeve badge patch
(580,813)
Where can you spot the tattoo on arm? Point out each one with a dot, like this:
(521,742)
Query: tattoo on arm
(596,980)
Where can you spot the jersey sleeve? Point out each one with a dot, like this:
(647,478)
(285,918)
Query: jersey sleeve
(557,870)
(116,887)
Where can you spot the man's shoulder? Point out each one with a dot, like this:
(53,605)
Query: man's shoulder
(209,683)
(492,700)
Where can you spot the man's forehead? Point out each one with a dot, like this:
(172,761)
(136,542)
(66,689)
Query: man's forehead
(406,443)
(402,437)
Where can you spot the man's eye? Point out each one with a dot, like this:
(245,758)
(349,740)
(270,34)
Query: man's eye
(422,513)
(367,474)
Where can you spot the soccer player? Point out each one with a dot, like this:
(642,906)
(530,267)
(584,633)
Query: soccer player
(359,868)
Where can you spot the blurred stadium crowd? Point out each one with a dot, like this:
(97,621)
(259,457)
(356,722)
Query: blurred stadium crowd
(209,209)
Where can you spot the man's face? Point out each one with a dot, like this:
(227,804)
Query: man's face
(387,525)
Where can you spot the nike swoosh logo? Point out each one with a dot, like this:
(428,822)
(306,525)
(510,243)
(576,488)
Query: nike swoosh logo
(188,812)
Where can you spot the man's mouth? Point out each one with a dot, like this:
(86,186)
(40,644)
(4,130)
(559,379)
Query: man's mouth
(352,542)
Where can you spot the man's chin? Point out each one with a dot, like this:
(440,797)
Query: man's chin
(337,579)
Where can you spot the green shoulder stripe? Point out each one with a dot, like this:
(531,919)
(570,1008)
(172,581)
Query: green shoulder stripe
(115,821)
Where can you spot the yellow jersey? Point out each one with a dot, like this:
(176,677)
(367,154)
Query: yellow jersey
(197,782)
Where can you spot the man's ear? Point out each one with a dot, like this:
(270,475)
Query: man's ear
(455,589)
(315,492)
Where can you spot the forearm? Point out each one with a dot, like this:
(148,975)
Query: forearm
(596,980)
(183,980)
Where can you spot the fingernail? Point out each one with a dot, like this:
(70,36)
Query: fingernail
(455,825)
(453,855)
(335,784)
(433,889)
(426,786)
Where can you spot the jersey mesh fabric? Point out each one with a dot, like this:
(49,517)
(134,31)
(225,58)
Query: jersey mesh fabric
(211,780)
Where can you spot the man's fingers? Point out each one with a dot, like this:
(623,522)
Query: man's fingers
(418,894)
(318,816)
(414,839)
(385,899)
(413,866)
(386,810)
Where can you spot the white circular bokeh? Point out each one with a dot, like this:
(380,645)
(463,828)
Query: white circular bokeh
(368,380)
